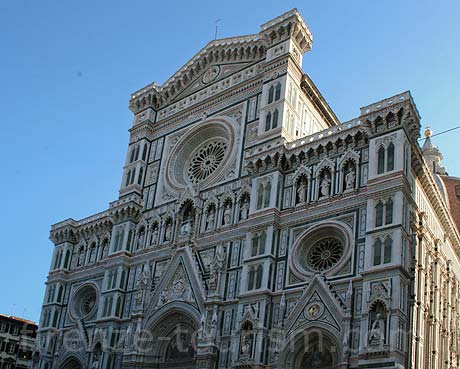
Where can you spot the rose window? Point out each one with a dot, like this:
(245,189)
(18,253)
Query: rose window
(324,254)
(88,303)
(206,161)
(84,302)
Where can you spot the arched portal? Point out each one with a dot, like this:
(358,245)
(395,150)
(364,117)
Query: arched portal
(311,349)
(173,340)
(71,363)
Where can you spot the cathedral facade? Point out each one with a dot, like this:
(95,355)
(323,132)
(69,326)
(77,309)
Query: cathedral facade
(253,229)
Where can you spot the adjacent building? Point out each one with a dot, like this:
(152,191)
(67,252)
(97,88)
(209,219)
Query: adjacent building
(254,229)
(17,342)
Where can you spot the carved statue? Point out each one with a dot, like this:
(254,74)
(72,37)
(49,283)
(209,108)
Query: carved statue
(168,232)
(210,220)
(301,191)
(228,214)
(325,185)
(377,333)
(186,228)
(81,257)
(244,209)
(155,236)
(350,178)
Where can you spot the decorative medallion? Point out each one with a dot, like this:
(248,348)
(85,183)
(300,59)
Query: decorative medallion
(211,74)
(314,310)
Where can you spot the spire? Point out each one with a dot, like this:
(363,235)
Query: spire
(432,154)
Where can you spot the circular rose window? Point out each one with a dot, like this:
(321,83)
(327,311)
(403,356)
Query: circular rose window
(84,301)
(324,248)
(204,155)
(206,161)
(325,253)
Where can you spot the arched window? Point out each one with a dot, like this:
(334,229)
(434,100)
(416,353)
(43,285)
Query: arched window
(118,307)
(389,212)
(67,259)
(268,189)
(275,119)
(260,196)
(278,91)
(251,278)
(387,250)
(255,245)
(137,153)
(128,177)
(259,272)
(271,92)
(59,297)
(262,241)
(381,160)
(139,178)
(390,157)
(144,152)
(379,214)
(133,172)
(268,120)
(377,252)
(131,159)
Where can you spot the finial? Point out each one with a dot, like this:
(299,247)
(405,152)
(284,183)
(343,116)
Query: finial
(428,132)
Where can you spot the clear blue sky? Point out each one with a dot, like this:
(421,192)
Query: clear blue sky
(67,69)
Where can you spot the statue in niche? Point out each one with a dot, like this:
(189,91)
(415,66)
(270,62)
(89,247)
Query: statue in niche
(227,214)
(210,219)
(377,332)
(301,191)
(186,228)
(246,345)
(168,231)
(244,209)
(213,326)
(325,185)
(154,235)
(350,178)
(81,257)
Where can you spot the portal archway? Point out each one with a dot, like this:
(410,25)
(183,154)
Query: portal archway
(311,349)
(71,363)
(173,340)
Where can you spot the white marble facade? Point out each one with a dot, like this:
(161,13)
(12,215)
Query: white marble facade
(255,230)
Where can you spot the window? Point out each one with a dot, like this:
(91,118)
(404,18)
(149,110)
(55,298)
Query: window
(381,160)
(263,194)
(128,178)
(131,159)
(139,178)
(144,152)
(387,250)
(387,246)
(268,120)
(377,252)
(278,91)
(389,212)
(379,214)
(275,119)
(390,157)
(258,244)
(255,277)
(271,93)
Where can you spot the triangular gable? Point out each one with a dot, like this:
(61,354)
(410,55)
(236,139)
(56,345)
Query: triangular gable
(180,282)
(315,305)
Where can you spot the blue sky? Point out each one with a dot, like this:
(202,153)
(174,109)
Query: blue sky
(67,69)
